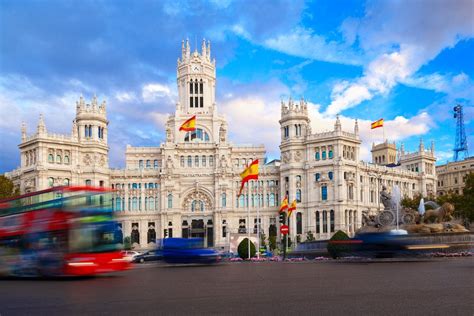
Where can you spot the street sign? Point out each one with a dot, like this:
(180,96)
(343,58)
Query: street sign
(284,229)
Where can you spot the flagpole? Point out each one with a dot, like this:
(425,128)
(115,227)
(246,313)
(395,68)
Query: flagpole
(383,128)
(258,223)
(248,230)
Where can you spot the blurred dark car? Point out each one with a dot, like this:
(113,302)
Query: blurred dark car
(187,250)
(151,255)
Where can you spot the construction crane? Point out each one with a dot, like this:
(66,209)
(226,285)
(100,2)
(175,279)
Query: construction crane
(461,142)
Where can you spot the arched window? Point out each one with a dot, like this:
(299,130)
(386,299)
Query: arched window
(242,201)
(140,164)
(181,161)
(170,200)
(317,176)
(50,158)
(151,203)
(252,198)
(223,200)
(299,223)
(268,199)
(325,222)
(298,195)
(317,156)
(199,135)
(330,155)
(324,154)
(330,175)
(118,202)
(66,160)
(190,161)
(272,199)
(211,161)
(196,161)
(148,163)
(318,223)
(146,202)
(134,204)
(50,182)
(66,182)
(324,193)
(58,159)
(155,164)
(331,218)
(203,161)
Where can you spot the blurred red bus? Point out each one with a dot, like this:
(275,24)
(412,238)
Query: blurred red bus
(62,231)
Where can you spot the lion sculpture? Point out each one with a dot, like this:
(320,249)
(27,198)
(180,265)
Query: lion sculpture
(441,214)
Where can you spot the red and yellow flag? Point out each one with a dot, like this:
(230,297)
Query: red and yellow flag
(189,125)
(250,173)
(377,124)
(284,204)
(291,208)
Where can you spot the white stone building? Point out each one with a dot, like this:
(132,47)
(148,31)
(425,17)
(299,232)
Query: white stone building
(188,185)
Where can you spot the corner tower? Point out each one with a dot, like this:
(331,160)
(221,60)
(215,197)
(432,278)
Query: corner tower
(196,79)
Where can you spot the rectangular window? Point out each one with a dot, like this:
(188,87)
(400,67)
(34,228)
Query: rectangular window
(203,161)
(191,99)
(324,193)
(191,88)
(318,223)
(201,104)
(201,88)
(196,102)
(196,161)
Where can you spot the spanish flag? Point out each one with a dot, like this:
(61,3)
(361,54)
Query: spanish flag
(291,208)
(376,124)
(284,204)
(189,125)
(250,173)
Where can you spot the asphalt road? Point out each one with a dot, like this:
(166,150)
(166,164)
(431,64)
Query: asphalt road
(438,287)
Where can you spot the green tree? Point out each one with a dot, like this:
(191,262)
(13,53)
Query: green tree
(272,242)
(7,189)
(310,236)
(263,243)
(463,204)
(127,243)
(335,249)
(243,249)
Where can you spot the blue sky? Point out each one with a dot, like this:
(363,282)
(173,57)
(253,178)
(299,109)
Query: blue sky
(409,62)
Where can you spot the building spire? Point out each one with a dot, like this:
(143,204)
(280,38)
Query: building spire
(204,48)
(422,146)
(337,125)
(41,126)
(23,131)
(432,147)
(209,50)
(356,128)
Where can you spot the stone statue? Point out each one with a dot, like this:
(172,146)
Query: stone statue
(222,134)
(386,198)
(440,214)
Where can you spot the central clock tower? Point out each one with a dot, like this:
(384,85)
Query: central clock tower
(196,79)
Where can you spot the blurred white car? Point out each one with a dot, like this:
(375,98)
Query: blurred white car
(129,255)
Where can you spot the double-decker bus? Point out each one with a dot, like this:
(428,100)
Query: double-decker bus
(61,231)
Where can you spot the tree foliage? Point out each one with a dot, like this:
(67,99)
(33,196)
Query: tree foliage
(272,242)
(243,249)
(7,189)
(310,236)
(334,249)
(463,203)
(127,243)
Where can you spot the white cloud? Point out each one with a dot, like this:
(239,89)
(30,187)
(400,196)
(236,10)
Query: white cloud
(152,92)
(406,37)
(303,42)
(123,96)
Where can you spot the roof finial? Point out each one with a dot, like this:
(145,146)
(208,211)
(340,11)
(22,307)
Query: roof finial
(41,126)
(337,125)
(23,131)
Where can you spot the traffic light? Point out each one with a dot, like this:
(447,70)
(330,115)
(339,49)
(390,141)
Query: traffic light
(282,217)
(165,232)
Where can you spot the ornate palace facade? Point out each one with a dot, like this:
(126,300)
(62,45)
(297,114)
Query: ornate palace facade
(187,186)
